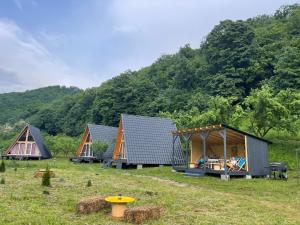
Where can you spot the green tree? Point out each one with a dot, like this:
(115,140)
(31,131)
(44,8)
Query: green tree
(61,144)
(287,69)
(266,111)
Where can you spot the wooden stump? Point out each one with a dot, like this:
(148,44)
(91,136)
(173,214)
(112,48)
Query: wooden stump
(141,214)
(40,173)
(90,205)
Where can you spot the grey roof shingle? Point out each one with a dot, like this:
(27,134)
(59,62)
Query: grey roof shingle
(36,134)
(104,134)
(148,140)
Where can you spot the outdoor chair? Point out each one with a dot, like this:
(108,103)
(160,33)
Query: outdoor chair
(241,163)
(233,165)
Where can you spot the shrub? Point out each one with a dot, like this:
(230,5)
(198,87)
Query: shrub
(99,148)
(2,181)
(2,167)
(46,178)
(89,183)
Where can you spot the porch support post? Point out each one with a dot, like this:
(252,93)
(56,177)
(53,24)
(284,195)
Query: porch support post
(204,136)
(224,136)
(187,140)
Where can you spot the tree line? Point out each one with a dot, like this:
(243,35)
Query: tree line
(240,68)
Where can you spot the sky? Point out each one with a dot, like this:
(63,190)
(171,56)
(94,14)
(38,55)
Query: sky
(83,43)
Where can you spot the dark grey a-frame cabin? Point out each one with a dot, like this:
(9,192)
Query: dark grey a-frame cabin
(96,133)
(143,140)
(28,145)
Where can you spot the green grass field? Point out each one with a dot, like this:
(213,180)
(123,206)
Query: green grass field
(186,200)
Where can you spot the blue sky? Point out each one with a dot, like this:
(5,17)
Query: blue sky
(85,42)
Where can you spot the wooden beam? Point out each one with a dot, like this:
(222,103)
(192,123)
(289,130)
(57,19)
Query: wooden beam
(246,153)
(117,148)
(83,142)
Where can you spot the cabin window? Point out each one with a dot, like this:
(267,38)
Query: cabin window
(30,138)
(87,152)
(28,150)
(23,137)
(33,152)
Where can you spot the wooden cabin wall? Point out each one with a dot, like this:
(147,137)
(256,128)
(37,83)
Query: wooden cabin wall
(217,150)
(117,148)
(196,150)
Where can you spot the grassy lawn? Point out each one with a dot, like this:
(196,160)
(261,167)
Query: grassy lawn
(187,200)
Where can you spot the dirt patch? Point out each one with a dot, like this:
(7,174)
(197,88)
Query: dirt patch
(166,181)
(40,174)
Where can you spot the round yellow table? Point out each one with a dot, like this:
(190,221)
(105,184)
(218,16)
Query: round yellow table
(119,204)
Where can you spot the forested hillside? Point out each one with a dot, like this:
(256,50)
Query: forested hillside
(20,105)
(235,58)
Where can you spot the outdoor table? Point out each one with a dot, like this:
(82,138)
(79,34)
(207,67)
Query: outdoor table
(119,204)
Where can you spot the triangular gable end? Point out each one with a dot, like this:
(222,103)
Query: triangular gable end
(24,145)
(84,147)
(120,150)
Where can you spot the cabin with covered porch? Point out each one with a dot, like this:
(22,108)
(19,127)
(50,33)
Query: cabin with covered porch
(221,149)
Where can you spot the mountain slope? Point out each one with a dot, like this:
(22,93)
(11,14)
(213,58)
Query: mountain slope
(235,57)
(21,105)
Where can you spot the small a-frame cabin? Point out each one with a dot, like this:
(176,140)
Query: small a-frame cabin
(224,150)
(28,145)
(96,133)
(143,140)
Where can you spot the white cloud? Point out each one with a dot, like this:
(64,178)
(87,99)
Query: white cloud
(25,63)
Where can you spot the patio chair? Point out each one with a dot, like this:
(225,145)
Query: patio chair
(241,163)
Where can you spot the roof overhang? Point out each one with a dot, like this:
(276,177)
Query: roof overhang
(232,133)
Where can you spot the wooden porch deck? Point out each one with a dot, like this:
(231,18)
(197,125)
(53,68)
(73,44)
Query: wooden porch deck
(210,171)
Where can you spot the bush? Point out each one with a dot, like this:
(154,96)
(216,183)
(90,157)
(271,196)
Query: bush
(46,178)
(99,148)
(2,167)
(2,181)
(89,183)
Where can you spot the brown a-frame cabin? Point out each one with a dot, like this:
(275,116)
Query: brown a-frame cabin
(28,145)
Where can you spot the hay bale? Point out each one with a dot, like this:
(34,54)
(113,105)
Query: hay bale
(40,173)
(90,205)
(141,214)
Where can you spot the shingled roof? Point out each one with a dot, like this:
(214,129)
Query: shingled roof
(105,134)
(148,140)
(36,134)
